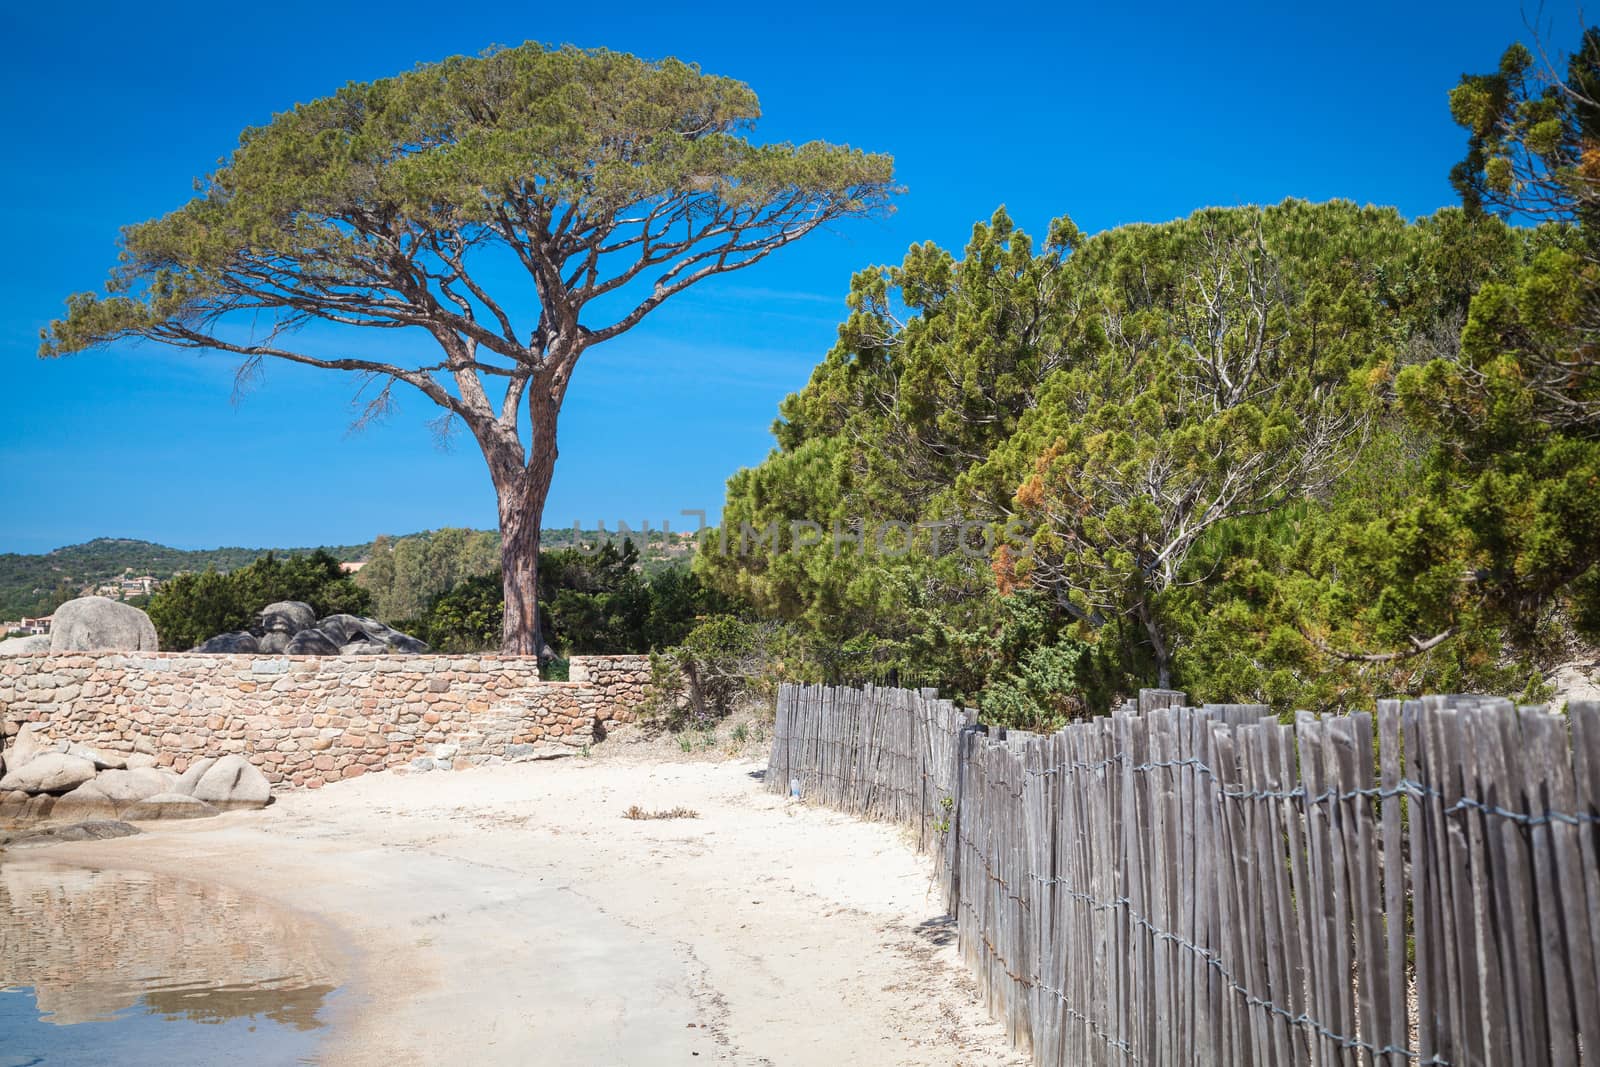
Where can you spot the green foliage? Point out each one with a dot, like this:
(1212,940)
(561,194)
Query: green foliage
(1516,407)
(1212,379)
(1517,469)
(1534,134)
(596,601)
(722,661)
(938,361)
(443,157)
(404,574)
(35,585)
(194,607)
(465,619)
(601,601)
(1266,454)
(1043,692)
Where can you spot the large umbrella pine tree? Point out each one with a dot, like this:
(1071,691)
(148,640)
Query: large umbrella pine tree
(613,182)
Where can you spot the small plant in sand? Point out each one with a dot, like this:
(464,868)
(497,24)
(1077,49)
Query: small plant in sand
(637,813)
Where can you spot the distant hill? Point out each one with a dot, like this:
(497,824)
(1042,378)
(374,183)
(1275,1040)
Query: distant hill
(37,584)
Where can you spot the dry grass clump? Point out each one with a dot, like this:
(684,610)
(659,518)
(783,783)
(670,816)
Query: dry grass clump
(636,812)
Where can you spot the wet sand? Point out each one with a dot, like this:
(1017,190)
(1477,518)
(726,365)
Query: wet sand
(512,915)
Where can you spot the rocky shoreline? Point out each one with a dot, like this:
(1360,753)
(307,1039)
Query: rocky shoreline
(43,779)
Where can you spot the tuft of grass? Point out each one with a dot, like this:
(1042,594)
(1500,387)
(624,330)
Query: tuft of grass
(636,812)
(686,743)
(740,734)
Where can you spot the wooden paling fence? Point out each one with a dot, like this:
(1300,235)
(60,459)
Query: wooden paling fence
(1176,885)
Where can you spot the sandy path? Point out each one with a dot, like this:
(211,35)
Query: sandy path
(511,915)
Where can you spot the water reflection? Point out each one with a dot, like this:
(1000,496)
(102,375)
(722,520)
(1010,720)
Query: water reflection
(99,945)
(290,1004)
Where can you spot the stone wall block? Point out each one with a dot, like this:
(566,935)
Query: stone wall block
(308,720)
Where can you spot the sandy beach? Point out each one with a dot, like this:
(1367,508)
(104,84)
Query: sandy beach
(513,915)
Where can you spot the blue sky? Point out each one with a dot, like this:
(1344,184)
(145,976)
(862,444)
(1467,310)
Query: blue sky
(113,109)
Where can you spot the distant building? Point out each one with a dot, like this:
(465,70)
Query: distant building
(35,626)
(126,586)
(143,585)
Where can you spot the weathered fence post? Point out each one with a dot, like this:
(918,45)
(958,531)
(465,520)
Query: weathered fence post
(1173,885)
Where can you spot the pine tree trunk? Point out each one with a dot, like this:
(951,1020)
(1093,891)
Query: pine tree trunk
(522,498)
(519,568)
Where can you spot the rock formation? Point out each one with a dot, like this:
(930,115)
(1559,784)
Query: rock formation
(344,628)
(169,806)
(29,743)
(25,646)
(232,782)
(272,644)
(311,642)
(290,627)
(49,772)
(90,830)
(89,624)
(51,779)
(96,622)
(239,641)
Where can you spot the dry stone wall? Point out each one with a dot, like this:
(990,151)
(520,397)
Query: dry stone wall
(310,720)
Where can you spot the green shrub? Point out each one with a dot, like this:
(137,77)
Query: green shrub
(723,662)
(465,619)
(596,602)
(193,607)
(1043,692)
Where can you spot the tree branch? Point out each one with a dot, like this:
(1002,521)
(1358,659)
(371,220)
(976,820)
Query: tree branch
(1418,647)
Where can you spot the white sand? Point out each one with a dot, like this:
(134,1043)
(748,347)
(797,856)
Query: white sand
(511,915)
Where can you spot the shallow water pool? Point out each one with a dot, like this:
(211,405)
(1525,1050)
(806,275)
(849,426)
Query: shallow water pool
(136,967)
